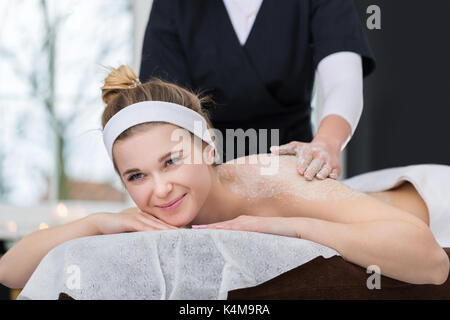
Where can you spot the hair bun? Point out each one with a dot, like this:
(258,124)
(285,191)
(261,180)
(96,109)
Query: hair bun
(122,78)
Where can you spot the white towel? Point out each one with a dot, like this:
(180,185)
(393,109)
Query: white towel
(170,264)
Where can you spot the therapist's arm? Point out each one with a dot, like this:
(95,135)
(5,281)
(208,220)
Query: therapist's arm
(341,80)
(335,131)
(163,55)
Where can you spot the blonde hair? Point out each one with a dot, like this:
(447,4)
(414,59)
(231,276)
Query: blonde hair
(123,88)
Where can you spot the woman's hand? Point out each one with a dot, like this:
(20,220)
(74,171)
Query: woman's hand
(109,223)
(319,158)
(273,225)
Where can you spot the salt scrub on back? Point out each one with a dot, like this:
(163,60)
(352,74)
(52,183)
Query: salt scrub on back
(247,180)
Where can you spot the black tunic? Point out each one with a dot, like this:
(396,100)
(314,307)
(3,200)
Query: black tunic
(264,84)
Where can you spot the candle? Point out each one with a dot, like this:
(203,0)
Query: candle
(43,225)
(12,226)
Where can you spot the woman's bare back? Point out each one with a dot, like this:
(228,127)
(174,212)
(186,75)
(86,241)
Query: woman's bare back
(406,197)
(246,178)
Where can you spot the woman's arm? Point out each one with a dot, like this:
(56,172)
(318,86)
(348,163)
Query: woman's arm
(400,249)
(364,230)
(18,264)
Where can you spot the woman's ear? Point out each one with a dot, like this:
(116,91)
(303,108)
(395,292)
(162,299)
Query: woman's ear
(210,154)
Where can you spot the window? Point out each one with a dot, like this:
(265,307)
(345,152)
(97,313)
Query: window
(51,58)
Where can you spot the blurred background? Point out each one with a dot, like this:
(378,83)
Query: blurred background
(406,100)
(53,165)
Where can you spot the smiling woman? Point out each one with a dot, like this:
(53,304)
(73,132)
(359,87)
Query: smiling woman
(156,181)
(326,212)
(151,164)
(172,190)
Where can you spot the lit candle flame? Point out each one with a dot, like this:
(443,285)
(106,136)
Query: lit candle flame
(12,226)
(43,225)
(61,210)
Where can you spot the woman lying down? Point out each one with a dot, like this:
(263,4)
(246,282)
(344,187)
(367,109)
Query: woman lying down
(390,229)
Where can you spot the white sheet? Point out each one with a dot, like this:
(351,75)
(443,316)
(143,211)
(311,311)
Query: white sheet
(172,264)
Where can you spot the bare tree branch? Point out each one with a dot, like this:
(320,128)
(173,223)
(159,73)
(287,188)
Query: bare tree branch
(41,75)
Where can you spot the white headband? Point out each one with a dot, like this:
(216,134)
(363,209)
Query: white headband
(152,111)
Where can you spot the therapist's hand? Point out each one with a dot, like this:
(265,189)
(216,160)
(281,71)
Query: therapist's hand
(320,158)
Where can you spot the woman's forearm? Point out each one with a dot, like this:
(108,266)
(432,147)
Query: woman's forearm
(400,249)
(18,264)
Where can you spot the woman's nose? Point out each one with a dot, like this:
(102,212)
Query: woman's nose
(162,187)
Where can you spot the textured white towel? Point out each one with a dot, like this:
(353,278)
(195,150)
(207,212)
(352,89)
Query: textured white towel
(206,264)
(172,264)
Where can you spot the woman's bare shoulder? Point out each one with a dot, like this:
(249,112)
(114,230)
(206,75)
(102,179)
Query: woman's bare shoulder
(279,190)
(272,176)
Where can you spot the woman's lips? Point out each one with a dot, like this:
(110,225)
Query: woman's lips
(174,205)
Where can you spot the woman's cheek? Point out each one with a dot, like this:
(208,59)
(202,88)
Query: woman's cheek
(199,178)
(138,195)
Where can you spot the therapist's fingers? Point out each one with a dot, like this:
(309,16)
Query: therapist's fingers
(313,168)
(324,172)
(335,174)
(289,148)
(304,158)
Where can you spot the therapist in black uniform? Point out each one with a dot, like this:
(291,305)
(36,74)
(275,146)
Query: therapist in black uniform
(262,77)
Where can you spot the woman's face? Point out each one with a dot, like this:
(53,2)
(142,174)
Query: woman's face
(156,170)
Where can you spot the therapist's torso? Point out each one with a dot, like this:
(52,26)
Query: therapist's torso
(259,71)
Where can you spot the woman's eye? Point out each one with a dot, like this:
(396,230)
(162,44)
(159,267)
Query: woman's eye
(133,177)
(173,159)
